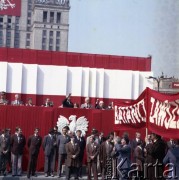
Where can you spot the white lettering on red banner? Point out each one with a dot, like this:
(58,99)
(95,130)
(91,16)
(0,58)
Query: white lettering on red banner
(132,114)
(164,114)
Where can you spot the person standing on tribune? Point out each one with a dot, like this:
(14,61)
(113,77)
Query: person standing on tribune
(62,140)
(48,147)
(18,142)
(34,143)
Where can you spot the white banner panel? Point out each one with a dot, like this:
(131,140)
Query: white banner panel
(14,77)
(135,84)
(74,81)
(99,83)
(3,76)
(92,82)
(118,84)
(85,82)
(29,78)
(144,82)
(51,80)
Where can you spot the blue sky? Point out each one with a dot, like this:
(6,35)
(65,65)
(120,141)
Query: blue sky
(128,27)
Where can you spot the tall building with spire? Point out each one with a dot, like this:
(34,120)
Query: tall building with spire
(34,24)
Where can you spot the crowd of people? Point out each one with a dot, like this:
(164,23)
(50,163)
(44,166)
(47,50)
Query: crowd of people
(67,103)
(129,158)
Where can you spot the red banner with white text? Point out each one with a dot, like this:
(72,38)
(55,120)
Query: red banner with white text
(10,7)
(157,112)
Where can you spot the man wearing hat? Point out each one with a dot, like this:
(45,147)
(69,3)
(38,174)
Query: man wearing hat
(3,100)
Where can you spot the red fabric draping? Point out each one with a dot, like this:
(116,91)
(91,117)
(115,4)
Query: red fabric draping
(30,117)
(75,59)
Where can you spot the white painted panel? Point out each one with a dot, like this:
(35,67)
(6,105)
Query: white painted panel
(99,83)
(74,81)
(118,84)
(92,82)
(3,76)
(29,78)
(85,82)
(51,80)
(135,84)
(144,82)
(14,77)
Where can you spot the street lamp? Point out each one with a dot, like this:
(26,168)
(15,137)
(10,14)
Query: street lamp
(158,80)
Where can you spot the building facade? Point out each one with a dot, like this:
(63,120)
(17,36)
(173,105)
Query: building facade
(41,24)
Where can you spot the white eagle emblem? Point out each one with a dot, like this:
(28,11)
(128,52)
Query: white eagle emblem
(4,4)
(80,124)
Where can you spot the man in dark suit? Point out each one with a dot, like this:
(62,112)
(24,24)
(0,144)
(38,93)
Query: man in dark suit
(34,143)
(82,143)
(18,142)
(106,149)
(72,161)
(67,102)
(55,155)
(92,150)
(62,140)
(48,147)
(4,150)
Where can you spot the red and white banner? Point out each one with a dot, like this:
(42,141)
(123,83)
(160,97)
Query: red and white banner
(157,112)
(10,7)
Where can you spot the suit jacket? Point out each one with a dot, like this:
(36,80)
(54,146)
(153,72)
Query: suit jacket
(4,143)
(48,145)
(34,143)
(92,150)
(16,103)
(61,142)
(67,104)
(124,156)
(17,144)
(138,157)
(86,106)
(72,150)
(105,152)
(82,143)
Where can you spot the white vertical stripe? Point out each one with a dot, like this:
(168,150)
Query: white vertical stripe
(85,82)
(92,82)
(135,84)
(118,84)
(51,80)
(29,78)
(99,83)
(14,77)
(74,83)
(3,76)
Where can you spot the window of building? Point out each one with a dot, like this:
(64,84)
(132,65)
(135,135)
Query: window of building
(51,33)
(51,41)
(43,40)
(1,26)
(43,47)
(28,21)
(16,44)
(45,16)
(44,33)
(27,43)
(8,34)
(28,36)
(58,34)
(58,41)
(51,17)
(51,48)
(1,19)
(8,42)
(58,17)
(17,20)
(57,48)
(9,20)
(29,14)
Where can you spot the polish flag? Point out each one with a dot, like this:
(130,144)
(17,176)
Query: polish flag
(41,74)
